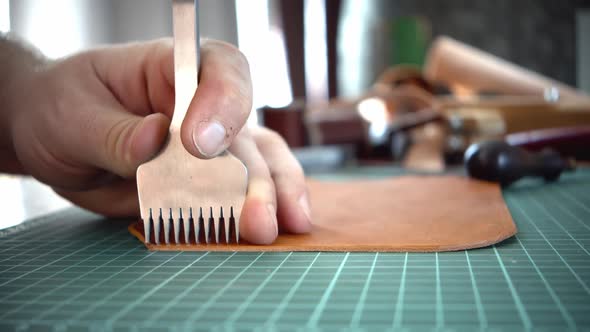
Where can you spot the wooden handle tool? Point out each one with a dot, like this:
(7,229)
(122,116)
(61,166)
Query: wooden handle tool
(462,66)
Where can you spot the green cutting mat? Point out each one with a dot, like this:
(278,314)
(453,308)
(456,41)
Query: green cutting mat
(74,271)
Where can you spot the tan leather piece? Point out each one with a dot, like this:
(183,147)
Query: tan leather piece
(410,213)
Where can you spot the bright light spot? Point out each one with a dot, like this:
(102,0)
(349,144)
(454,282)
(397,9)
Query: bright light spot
(12,201)
(4,15)
(55,27)
(374,111)
(316,51)
(463,93)
(24,198)
(264,47)
(278,79)
(353,44)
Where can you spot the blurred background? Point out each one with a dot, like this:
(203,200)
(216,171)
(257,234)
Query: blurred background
(366,82)
(334,47)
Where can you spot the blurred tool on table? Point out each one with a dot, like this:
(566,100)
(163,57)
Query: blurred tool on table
(426,118)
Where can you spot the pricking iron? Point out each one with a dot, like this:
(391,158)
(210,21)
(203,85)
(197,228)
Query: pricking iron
(192,200)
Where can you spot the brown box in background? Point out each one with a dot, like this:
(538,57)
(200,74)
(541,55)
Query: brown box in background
(288,121)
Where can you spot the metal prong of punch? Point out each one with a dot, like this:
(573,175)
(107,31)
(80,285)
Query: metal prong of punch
(157,225)
(147,227)
(204,226)
(177,222)
(225,222)
(167,224)
(235,223)
(218,225)
(208,224)
(186,223)
(198,222)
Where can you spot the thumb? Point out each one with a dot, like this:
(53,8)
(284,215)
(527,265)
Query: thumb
(123,141)
(222,102)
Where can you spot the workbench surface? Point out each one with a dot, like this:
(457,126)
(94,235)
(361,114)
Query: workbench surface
(74,270)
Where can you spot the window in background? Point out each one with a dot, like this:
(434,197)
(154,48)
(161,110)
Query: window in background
(316,51)
(264,46)
(4,15)
(55,27)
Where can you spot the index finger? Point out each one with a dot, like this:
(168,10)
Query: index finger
(222,102)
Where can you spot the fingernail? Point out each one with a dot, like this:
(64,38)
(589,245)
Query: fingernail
(273,217)
(304,204)
(209,138)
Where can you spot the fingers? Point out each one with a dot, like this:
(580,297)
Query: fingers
(222,102)
(116,113)
(80,129)
(119,199)
(147,138)
(140,75)
(275,182)
(294,213)
(115,137)
(123,141)
(258,220)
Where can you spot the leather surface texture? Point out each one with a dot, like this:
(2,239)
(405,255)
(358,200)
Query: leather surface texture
(407,213)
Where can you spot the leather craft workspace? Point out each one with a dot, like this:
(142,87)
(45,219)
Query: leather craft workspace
(409,213)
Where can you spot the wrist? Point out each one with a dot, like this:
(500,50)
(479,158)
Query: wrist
(18,63)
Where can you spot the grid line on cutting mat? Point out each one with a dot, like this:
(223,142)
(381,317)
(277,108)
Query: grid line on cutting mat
(397,317)
(321,306)
(361,302)
(569,320)
(12,240)
(23,289)
(245,304)
(565,262)
(174,301)
(287,298)
(89,308)
(147,294)
(85,275)
(481,316)
(60,258)
(72,241)
(526,321)
(439,308)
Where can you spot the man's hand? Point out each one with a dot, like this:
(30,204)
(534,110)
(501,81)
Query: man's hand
(85,123)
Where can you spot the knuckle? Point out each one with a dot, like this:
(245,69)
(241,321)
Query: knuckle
(298,172)
(241,60)
(116,144)
(219,46)
(235,104)
(273,144)
(294,172)
(271,139)
(226,73)
(239,101)
(272,191)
